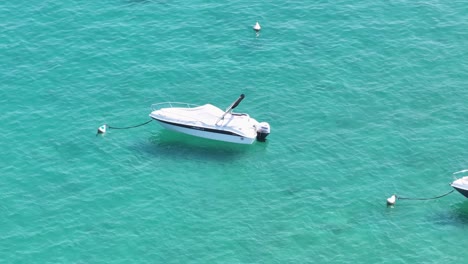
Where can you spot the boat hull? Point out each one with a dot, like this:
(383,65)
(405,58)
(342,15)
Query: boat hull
(462,191)
(220,135)
(461,185)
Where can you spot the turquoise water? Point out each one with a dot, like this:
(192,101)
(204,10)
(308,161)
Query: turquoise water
(364,99)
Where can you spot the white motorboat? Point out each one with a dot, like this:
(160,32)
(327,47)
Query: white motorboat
(208,121)
(461,185)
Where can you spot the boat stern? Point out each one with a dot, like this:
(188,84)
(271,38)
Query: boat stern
(263,130)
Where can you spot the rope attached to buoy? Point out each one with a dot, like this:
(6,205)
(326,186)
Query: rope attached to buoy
(102,129)
(111,127)
(432,198)
(392,199)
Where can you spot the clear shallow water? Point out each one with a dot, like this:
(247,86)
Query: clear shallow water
(364,99)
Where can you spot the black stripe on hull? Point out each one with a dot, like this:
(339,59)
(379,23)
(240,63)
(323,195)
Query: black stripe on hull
(462,191)
(200,128)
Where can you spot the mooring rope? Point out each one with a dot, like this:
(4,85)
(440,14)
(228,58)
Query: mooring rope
(111,127)
(432,198)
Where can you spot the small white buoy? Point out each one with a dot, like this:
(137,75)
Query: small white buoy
(102,129)
(257,27)
(391,200)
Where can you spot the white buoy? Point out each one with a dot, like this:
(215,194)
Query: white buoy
(257,27)
(391,200)
(102,129)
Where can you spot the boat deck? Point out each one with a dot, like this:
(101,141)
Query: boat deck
(205,116)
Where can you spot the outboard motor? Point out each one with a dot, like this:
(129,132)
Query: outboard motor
(263,131)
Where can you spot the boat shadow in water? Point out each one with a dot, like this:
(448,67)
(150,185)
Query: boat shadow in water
(457,216)
(167,144)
